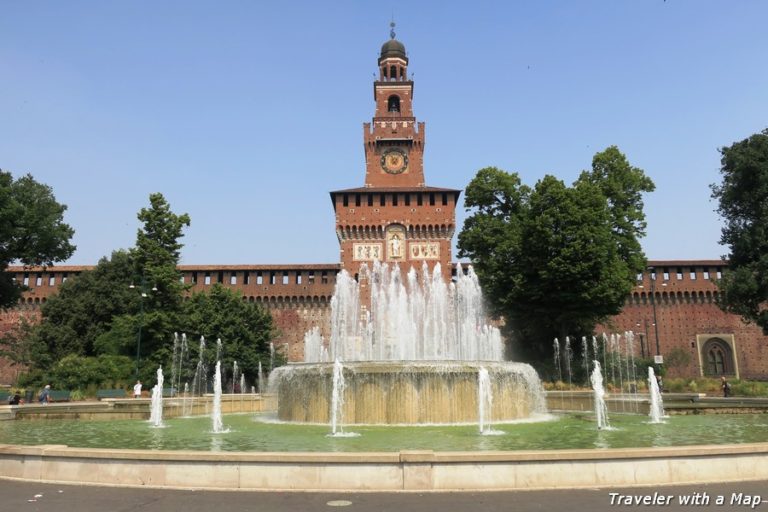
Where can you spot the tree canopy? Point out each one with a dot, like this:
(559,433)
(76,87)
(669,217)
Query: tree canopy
(157,279)
(32,230)
(94,321)
(556,260)
(81,317)
(245,328)
(743,205)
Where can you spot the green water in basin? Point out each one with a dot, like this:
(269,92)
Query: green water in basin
(256,433)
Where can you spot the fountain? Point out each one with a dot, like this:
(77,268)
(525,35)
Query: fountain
(656,411)
(601,411)
(410,357)
(218,425)
(156,407)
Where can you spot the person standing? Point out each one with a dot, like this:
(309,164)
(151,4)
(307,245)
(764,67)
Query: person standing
(137,389)
(45,395)
(726,387)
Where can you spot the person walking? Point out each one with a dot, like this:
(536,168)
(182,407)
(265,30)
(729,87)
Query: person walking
(137,389)
(45,395)
(726,387)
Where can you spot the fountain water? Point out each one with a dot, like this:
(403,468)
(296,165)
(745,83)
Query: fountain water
(337,399)
(413,356)
(601,411)
(556,349)
(156,407)
(585,357)
(657,405)
(261,379)
(484,401)
(218,425)
(180,359)
(568,361)
(235,375)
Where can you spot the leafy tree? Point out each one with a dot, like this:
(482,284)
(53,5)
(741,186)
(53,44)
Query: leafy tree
(81,315)
(32,230)
(156,274)
(743,204)
(245,328)
(623,186)
(555,260)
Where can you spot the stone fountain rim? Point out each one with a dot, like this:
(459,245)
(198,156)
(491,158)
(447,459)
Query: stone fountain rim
(407,470)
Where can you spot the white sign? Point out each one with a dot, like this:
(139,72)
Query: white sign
(658,359)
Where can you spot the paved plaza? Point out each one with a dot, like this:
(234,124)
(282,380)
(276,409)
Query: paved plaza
(36,497)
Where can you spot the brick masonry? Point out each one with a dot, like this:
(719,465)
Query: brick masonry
(396,218)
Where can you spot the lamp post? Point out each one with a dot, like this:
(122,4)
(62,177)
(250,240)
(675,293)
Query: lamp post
(643,337)
(652,277)
(142,296)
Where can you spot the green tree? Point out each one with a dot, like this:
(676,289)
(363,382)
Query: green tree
(156,258)
(623,187)
(80,317)
(743,204)
(32,230)
(245,328)
(555,260)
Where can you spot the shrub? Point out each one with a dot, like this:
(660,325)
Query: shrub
(89,373)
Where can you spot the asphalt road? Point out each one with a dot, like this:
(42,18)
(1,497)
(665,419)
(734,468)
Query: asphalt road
(33,497)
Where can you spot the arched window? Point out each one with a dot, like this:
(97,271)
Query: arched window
(719,358)
(393,104)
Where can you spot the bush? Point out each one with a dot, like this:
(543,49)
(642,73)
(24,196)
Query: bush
(90,373)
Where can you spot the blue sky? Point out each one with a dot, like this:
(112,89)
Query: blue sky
(245,114)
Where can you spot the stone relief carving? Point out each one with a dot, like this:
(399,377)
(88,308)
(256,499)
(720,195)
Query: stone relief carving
(424,250)
(366,252)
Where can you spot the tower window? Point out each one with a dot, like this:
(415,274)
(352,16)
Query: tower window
(392,72)
(393,104)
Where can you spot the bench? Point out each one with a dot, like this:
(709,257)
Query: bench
(4,396)
(110,393)
(169,392)
(59,396)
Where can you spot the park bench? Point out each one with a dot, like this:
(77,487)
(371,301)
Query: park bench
(4,395)
(169,392)
(110,393)
(59,396)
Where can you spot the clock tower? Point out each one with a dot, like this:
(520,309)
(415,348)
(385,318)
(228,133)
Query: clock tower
(395,217)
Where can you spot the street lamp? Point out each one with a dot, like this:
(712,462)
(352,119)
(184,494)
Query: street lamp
(142,296)
(643,337)
(652,277)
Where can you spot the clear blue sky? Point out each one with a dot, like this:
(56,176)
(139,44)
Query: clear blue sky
(245,114)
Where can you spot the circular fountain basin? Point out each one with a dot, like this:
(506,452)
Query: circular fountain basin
(406,393)
(443,458)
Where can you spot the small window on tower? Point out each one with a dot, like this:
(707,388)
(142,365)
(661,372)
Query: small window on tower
(393,104)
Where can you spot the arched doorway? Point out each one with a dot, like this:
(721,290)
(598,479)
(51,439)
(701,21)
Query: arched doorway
(717,358)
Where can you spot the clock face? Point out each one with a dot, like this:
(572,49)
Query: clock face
(394,161)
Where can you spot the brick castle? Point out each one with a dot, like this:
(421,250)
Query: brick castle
(396,218)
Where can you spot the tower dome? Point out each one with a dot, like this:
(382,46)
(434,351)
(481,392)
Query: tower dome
(393,49)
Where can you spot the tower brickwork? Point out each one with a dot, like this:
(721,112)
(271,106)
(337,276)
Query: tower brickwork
(395,217)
